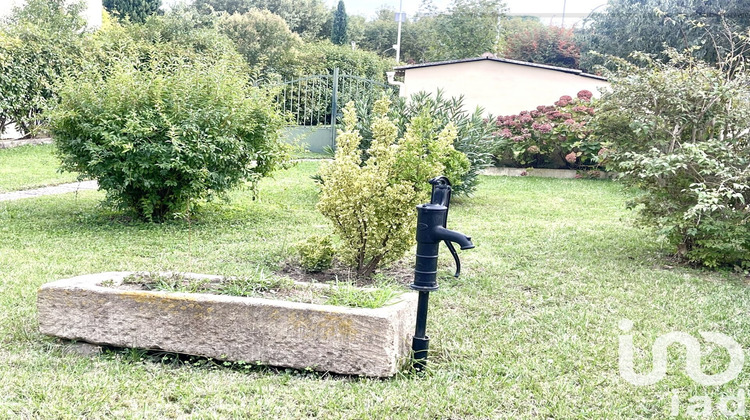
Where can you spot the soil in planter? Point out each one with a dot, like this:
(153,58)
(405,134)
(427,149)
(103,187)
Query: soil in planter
(267,287)
(400,272)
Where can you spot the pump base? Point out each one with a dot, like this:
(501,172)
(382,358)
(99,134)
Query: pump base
(420,346)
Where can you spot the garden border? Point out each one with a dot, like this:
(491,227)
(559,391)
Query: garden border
(7,144)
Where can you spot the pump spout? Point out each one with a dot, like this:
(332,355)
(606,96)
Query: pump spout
(462,240)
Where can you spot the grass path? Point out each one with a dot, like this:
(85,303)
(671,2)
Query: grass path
(27,167)
(529,330)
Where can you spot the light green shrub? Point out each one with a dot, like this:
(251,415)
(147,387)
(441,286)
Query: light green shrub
(263,39)
(474,136)
(371,198)
(315,253)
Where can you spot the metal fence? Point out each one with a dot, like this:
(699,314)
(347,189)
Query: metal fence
(317,100)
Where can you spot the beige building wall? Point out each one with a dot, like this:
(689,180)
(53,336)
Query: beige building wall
(500,88)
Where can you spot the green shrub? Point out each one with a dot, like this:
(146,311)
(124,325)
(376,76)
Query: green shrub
(304,17)
(679,133)
(39,44)
(315,253)
(474,133)
(162,135)
(182,33)
(322,57)
(372,200)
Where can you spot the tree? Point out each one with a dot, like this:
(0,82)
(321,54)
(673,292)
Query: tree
(304,17)
(355,28)
(40,43)
(379,34)
(651,25)
(263,38)
(468,29)
(532,41)
(338,32)
(136,10)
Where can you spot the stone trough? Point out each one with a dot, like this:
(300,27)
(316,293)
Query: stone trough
(352,341)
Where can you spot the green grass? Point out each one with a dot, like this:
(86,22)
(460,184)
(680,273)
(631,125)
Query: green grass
(27,167)
(306,154)
(530,330)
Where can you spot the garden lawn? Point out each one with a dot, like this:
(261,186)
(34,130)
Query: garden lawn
(32,166)
(530,330)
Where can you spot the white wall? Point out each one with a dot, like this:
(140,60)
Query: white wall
(93,12)
(500,88)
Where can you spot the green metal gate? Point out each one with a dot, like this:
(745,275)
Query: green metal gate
(314,103)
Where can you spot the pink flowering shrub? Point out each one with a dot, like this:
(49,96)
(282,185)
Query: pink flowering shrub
(554,136)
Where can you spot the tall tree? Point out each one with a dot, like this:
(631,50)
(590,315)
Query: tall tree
(338,31)
(468,29)
(264,39)
(39,43)
(651,25)
(527,39)
(136,10)
(304,17)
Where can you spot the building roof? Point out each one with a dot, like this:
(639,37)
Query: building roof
(401,70)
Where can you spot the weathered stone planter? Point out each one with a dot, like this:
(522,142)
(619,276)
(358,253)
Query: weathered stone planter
(356,341)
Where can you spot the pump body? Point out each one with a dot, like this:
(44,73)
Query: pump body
(431,230)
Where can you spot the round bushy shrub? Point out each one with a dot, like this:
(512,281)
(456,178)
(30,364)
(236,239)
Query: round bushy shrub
(678,132)
(371,197)
(161,135)
(474,133)
(315,253)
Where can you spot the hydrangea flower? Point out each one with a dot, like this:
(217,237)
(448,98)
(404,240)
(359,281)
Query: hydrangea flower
(585,95)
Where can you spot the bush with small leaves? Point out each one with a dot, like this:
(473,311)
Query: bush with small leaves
(135,10)
(315,253)
(474,137)
(678,131)
(371,198)
(159,136)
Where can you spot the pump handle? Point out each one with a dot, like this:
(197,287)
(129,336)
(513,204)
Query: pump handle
(449,244)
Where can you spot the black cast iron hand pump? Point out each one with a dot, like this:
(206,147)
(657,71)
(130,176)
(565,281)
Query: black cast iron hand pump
(431,230)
